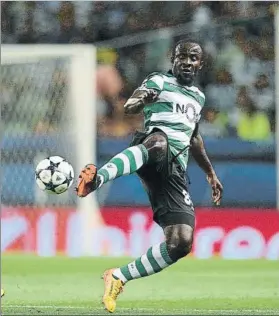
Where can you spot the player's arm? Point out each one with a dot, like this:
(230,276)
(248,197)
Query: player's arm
(199,153)
(139,99)
(146,94)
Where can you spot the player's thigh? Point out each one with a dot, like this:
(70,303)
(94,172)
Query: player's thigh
(180,232)
(156,143)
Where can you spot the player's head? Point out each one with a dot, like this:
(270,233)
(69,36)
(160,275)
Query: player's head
(186,61)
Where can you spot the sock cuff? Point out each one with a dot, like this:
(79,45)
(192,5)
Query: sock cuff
(165,253)
(144,152)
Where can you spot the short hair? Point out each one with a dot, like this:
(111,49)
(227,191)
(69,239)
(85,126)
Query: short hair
(183,41)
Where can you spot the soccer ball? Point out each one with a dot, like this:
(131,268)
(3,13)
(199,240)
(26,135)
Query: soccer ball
(54,175)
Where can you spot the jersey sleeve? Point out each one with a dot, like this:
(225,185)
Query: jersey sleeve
(154,81)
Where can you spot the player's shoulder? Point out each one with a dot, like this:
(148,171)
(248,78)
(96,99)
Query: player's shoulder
(198,92)
(155,80)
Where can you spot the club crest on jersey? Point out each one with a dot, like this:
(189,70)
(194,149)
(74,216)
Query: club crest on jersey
(189,110)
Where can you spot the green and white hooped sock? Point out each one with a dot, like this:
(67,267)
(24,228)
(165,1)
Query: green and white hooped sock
(155,260)
(124,163)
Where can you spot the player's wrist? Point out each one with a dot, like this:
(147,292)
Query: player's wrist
(133,105)
(211,173)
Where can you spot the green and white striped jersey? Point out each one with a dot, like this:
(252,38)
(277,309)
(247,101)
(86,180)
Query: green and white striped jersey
(176,111)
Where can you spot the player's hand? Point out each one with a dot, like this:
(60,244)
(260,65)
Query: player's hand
(151,96)
(217,188)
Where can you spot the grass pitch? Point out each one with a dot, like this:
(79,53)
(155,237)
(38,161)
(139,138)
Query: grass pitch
(63,286)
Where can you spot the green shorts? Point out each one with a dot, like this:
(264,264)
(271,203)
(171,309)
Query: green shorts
(167,189)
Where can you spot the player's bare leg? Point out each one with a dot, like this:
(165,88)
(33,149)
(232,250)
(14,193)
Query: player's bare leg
(178,244)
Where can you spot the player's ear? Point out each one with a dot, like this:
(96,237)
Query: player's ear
(201,65)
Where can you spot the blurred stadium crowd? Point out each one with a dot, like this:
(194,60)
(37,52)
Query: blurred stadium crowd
(238,37)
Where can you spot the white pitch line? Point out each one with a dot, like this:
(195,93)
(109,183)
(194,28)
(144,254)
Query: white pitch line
(43,306)
(68,307)
(148,309)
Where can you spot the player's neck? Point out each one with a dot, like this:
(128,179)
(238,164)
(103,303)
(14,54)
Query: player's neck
(184,84)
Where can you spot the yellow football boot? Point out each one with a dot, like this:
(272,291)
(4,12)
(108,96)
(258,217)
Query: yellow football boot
(2,292)
(113,288)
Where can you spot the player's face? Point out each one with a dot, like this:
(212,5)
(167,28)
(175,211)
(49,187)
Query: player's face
(187,62)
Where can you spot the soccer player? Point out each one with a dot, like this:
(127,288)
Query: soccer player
(171,106)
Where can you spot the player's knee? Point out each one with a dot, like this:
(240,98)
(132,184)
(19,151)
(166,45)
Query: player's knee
(180,248)
(179,241)
(156,144)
